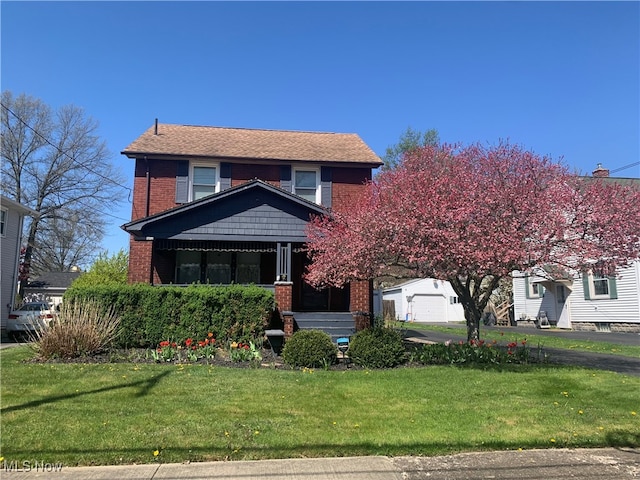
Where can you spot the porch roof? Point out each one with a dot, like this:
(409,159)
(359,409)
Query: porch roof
(254,211)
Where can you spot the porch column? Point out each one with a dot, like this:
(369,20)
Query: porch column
(140,261)
(283,262)
(361,303)
(284,303)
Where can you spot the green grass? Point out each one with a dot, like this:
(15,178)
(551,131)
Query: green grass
(121,413)
(551,341)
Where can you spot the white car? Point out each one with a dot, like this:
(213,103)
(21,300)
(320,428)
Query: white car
(29,317)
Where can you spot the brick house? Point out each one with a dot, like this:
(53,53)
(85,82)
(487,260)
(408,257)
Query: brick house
(230,205)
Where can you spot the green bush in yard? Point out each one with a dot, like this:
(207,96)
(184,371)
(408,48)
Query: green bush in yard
(151,314)
(309,348)
(377,347)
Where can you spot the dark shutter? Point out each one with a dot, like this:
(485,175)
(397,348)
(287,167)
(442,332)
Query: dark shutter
(325,186)
(225,176)
(285,178)
(182,181)
(585,286)
(613,288)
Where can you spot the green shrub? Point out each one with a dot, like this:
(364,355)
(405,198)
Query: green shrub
(474,353)
(309,348)
(151,314)
(377,347)
(80,328)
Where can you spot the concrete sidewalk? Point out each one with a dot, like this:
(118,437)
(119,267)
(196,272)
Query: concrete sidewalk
(586,464)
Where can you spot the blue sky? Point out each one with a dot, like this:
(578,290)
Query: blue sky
(560,78)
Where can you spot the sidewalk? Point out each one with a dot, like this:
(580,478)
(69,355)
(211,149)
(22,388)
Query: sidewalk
(585,464)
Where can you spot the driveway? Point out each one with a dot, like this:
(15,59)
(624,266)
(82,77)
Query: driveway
(601,361)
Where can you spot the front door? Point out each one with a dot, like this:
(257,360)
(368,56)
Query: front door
(314,299)
(562,306)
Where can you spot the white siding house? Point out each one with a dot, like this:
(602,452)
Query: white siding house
(11,221)
(583,302)
(50,287)
(425,300)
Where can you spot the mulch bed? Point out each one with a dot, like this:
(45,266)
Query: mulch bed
(141,355)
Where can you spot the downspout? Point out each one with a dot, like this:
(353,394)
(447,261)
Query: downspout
(147,209)
(16,270)
(148,178)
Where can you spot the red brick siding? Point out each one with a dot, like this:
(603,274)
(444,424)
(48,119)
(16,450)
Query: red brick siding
(347,183)
(140,253)
(284,297)
(242,173)
(162,180)
(361,296)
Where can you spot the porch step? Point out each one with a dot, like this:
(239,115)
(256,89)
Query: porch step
(335,324)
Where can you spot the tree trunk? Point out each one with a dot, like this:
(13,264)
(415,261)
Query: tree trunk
(26,262)
(472,316)
(474,294)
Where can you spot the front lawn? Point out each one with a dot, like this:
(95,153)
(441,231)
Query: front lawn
(84,414)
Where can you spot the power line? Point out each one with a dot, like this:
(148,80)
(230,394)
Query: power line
(63,152)
(625,167)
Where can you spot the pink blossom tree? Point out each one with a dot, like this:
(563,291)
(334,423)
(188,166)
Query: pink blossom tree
(472,215)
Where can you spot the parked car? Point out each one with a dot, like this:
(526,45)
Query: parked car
(29,317)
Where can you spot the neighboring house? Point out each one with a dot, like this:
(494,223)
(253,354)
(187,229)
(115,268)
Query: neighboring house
(425,300)
(582,302)
(11,221)
(50,287)
(230,205)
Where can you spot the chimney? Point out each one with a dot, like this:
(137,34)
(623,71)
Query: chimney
(600,172)
(155,132)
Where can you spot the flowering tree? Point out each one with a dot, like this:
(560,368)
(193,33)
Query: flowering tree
(472,215)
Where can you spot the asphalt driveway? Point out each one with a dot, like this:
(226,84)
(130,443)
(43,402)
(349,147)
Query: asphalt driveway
(602,361)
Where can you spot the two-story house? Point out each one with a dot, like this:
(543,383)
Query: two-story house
(230,205)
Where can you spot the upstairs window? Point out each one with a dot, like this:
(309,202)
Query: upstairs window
(306,184)
(204,181)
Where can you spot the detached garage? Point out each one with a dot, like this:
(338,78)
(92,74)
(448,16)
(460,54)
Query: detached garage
(425,300)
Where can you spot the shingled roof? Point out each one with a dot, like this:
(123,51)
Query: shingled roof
(244,143)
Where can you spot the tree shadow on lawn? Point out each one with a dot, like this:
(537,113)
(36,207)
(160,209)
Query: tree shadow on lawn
(204,453)
(145,386)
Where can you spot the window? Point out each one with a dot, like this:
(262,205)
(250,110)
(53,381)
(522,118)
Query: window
(454,300)
(533,289)
(204,181)
(306,185)
(3,221)
(599,287)
(187,267)
(219,267)
(248,267)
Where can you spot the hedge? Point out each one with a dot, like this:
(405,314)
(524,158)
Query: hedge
(150,314)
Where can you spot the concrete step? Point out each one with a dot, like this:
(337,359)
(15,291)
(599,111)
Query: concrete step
(335,324)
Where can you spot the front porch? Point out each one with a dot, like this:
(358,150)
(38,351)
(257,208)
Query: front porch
(251,234)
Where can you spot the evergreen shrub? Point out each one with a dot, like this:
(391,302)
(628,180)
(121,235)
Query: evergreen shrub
(151,314)
(377,347)
(309,348)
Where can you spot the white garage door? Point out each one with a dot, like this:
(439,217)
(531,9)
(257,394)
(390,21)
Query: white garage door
(429,308)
